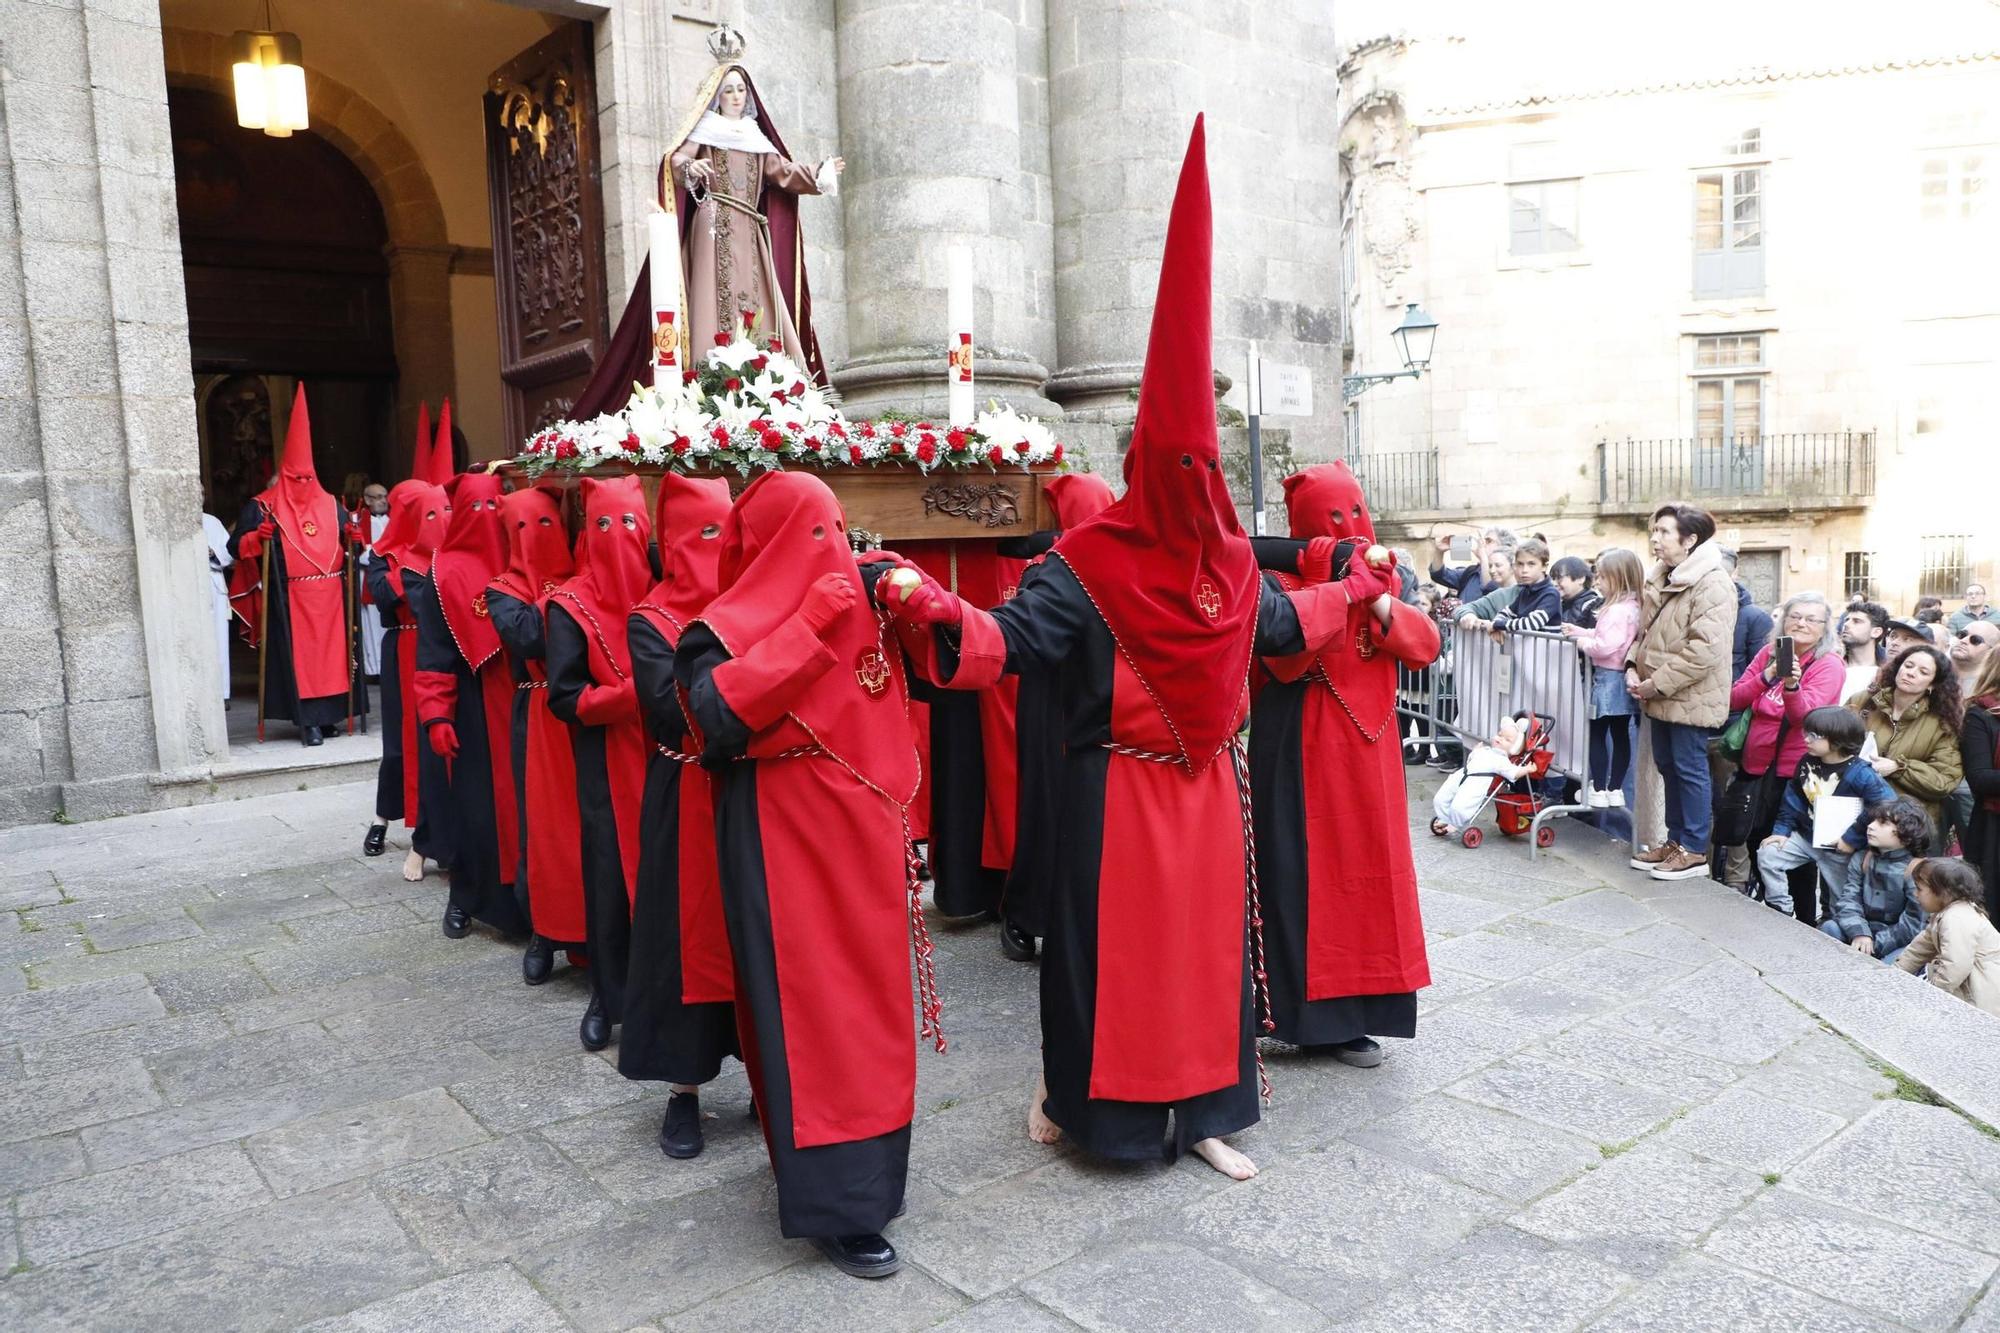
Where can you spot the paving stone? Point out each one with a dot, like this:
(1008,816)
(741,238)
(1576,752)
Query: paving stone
(1333,1226)
(33,1108)
(32,888)
(127,932)
(1616,972)
(1922,1166)
(231,1064)
(24,1166)
(345,924)
(209,986)
(1642,1209)
(250,1111)
(814,1294)
(170,956)
(1448,987)
(1500,954)
(1901,1275)
(1494,1279)
(545,1093)
(1671,943)
(1832,1058)
(13,981)
(325,1003)
(1005,1314)
(1605,912)
(1557,1094)
(1474,1145)
(1723,1010)
(663,1259)
(492,1300)
(618,1147)
(1455,913)
(1985,1316)
(485,1203)
(997,1236)
(270,1267)
(91,1213)
(1697,1293)
(1618,1054)
(1745,1128)
(1156,1285)
(1536,1006)
(138,1039)
(973,1144)
(89,1006)
(337,1146)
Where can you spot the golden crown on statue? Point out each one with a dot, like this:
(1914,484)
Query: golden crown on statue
(726,44)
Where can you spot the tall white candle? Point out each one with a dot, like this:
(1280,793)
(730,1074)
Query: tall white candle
(663,247)
(958,335)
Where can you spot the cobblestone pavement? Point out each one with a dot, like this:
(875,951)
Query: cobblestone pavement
(245,1083)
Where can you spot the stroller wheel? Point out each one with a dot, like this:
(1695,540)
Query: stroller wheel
(1545,836)
(1473,836)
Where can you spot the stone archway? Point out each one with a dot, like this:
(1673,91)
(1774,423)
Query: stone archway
(419,254)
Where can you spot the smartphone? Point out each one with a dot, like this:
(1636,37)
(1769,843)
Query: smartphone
(1461,547)
(1782,656)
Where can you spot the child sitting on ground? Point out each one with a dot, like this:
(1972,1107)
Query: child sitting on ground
(1959,951)
(1537,604)
(1834,737)
(1459,800)
(1875,909)
(1607,644)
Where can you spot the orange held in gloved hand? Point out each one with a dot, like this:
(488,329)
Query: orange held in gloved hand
(1365,582)
(826,601)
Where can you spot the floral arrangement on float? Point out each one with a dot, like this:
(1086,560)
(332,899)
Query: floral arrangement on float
(748,406)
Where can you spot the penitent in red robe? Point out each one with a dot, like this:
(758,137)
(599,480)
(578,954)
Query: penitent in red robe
(1343,936)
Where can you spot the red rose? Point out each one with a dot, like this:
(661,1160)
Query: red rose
(854,454)
(566,449)
(682,444)
(813,445)
(732,385)
(927,438)
(996,455)
(867,430)
(896,448)
(1058,453)
(925,425)
(749,320)
(775,345)
(722,338)
(956,439)
(760,425)
(773,441)
(835,428)
(759,362)
(926,453)
(689,377)
(631,443)
(778,397)
(798,387)
(1021,448)
(720,435)
(898,429)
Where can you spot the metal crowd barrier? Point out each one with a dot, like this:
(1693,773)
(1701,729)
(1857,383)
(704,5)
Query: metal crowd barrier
(1459,700)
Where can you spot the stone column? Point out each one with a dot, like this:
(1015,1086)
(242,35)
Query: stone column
(931,120)
(1125,81)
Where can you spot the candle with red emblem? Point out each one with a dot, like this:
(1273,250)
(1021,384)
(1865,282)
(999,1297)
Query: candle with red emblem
(663,246)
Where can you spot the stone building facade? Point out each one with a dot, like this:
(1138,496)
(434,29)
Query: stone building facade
(1759,274)
(1043,134)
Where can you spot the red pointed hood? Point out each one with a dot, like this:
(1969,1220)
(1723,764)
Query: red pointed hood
(782,534)
(538,555)
(1168,566)
(435,466)
(418,515)
(1326,501)
(308,517)
(474,552)
(1077,496)
(615,574)
(687,524)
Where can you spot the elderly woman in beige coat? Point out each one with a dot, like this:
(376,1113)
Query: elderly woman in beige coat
(1679,673)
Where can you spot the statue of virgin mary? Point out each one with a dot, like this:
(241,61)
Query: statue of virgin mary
(735,190)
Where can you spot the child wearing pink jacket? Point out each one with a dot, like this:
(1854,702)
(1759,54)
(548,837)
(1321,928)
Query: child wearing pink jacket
(1619,578)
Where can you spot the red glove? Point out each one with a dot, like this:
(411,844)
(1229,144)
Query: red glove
(1316,561)
(444,740)
(1364,583)
(251,544)
(830,597)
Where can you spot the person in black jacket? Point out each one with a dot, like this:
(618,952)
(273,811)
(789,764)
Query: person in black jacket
(1580,601)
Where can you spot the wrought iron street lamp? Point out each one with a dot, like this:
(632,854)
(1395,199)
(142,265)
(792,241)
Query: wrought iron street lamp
(1415,337)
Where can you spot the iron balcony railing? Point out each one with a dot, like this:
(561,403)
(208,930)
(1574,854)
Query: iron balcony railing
(1398,481)
(1828,467)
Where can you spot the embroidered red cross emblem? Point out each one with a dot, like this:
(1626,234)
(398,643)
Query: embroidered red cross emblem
(479,605)
(873,672)
(1208,599)
(311,528)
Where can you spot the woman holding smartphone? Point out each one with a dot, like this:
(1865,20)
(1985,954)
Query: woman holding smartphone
(1799,670)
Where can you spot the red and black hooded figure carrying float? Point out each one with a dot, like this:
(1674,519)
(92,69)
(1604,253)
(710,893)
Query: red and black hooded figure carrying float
(1342,933)
(1148,618)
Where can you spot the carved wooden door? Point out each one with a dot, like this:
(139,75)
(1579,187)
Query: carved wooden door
(548,227)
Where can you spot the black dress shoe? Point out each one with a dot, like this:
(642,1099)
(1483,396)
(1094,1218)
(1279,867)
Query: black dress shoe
(537,960)
(456,922)
(1362,1052)
(680,1132)
(1016,943)
(595,1029)
(860,1256)
(377,839)
(311,736)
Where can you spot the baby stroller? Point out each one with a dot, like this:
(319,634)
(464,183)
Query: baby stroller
(1515,800)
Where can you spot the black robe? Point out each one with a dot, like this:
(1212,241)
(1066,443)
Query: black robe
(279,678)
(389,775)
(962,885)
(607,912)
(519,626)
(433,834)
(664,1038)
(1038,753)
(460,795)
(1052,628)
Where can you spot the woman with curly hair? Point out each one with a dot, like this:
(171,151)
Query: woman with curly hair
(1915,715)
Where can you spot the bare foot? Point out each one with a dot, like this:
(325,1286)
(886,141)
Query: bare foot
(1225,1159)
(413,866)
(1041,1129)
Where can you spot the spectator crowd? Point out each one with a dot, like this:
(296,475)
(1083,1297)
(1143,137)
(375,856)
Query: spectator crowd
(1838,763)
